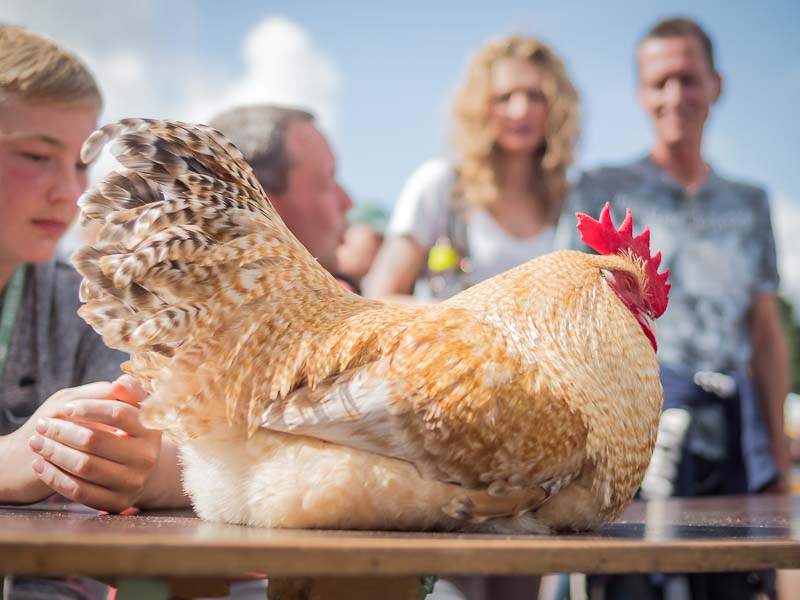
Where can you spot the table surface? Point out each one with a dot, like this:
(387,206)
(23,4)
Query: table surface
(674,535)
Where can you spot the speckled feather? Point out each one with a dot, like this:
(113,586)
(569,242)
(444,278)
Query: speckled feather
(527,403)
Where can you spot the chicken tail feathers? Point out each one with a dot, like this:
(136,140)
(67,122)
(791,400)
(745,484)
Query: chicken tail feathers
(188,244)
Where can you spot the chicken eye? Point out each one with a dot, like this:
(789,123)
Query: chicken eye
(626,283)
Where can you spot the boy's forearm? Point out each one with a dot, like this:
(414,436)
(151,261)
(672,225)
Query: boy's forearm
(18,482)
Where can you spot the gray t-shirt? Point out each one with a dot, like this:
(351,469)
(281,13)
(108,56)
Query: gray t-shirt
(719,247)
(51,347)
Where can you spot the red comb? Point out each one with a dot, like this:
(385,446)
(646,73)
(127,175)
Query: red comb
(605,239)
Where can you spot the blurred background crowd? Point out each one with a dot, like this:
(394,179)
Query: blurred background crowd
(440,143)
(381,79)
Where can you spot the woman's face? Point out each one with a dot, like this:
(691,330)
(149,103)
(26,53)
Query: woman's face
(517,108)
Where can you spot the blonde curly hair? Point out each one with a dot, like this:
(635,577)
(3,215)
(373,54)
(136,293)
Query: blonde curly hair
(476,184)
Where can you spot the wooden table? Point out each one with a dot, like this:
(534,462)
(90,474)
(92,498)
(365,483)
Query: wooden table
(675,535)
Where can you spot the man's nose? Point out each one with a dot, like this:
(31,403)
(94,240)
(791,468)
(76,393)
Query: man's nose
(345,201)
(674,90)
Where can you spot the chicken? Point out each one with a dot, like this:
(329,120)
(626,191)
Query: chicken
(527,403)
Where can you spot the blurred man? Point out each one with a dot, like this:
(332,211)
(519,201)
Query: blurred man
(295,165)
(724,360)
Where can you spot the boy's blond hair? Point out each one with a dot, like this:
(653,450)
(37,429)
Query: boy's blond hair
(33,67)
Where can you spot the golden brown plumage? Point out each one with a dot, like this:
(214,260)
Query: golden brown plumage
(527,403)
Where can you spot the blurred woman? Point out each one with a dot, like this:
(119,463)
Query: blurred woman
(516,124)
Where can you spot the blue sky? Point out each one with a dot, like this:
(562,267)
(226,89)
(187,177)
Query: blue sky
(381,75)
(400,62)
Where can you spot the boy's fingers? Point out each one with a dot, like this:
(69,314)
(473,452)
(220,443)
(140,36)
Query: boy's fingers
(114,413)
(89,467)
(98,389)
(76,489)
(127,389)
(85,439)
(139,452)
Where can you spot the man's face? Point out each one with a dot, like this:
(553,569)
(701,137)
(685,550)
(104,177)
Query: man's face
(677,88)
(314,204)
(41,174)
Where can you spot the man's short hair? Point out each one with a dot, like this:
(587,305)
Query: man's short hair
(682,27)
(259,131)
(33,67)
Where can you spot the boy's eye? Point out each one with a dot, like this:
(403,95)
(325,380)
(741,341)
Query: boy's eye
(34,157)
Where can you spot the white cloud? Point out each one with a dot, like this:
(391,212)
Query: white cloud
(151,60)
(786,222)
(80,20)
(125,50)
(282,64)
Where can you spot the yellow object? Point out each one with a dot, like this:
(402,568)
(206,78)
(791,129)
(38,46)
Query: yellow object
(442,257)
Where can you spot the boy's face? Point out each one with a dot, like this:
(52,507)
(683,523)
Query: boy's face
(41,174)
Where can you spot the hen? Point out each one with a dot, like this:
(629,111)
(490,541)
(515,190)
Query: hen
(528,403)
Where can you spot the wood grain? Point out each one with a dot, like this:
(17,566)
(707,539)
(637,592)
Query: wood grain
(708,534)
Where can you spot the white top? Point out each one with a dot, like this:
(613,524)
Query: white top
(422,212)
